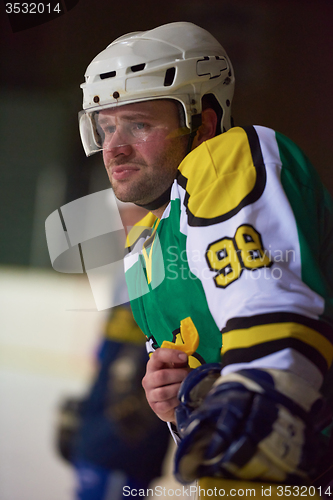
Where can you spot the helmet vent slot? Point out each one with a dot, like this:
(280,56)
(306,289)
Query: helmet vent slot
(138,67)
(169,77)
(110,74)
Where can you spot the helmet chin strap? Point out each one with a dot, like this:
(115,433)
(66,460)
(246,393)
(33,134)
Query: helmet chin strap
(196,122)
(164,198)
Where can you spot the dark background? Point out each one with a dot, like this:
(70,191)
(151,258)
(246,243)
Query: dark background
(282,55)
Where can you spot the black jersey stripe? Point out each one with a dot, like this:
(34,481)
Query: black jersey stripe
(253,196)
(248,354)
(241,323)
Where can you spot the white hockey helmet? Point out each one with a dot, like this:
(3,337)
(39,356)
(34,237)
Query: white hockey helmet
(179,61)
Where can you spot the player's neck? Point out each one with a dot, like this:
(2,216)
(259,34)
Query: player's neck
(159,211)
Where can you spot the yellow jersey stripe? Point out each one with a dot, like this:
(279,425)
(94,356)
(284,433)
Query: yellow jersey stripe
(139,228)
(147,253)
(243,338)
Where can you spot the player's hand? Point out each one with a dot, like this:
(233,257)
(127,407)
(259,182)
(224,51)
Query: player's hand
(166,369)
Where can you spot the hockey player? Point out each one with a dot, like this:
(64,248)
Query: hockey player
(234,258)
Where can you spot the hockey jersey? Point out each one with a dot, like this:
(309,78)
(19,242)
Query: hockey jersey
(245,250)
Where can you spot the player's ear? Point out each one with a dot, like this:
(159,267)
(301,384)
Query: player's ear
(207,128)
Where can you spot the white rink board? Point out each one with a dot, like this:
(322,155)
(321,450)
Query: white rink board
(49,329)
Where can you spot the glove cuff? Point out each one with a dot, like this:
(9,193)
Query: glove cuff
(283,387)
(194,390)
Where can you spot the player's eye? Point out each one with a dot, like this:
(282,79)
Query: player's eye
(140,129)
(110,129)
(140,126)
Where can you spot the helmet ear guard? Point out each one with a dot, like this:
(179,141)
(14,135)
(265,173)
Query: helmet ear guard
(179,61)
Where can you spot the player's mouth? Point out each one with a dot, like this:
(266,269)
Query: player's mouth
(123,171)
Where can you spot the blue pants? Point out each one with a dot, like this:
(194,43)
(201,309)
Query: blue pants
(97,483)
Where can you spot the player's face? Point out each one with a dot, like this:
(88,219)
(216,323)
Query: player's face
(140,155)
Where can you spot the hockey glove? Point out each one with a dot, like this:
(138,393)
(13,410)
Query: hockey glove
(67,427)
(253,424)
(193,391)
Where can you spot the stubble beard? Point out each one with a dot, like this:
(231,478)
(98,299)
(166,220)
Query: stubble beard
(128,190)
(149,187)
(144,190)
